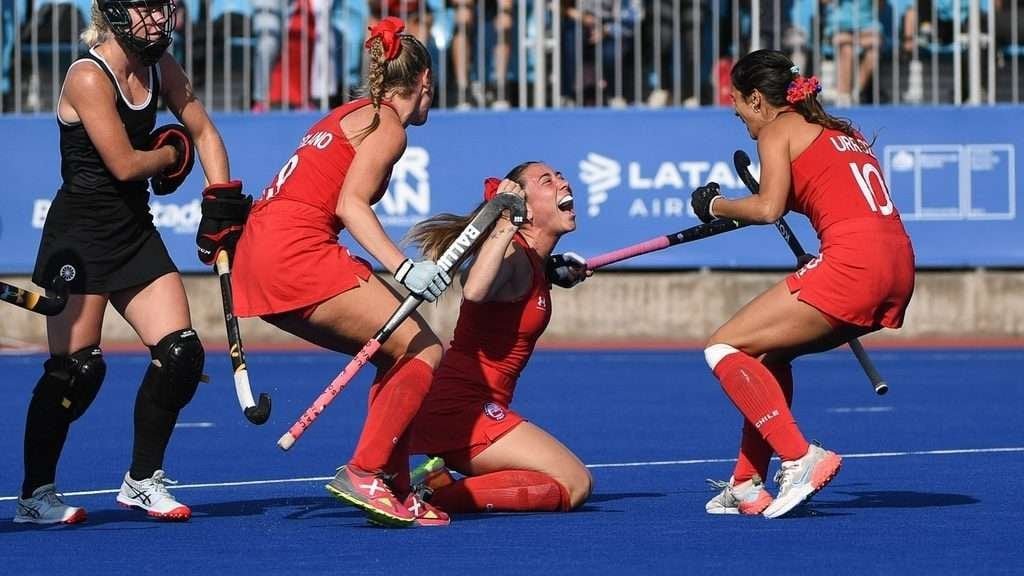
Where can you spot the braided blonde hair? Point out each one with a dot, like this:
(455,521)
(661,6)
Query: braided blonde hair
(398,75)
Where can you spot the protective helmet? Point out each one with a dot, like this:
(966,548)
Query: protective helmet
(134,38)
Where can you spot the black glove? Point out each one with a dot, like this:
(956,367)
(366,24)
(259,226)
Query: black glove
(566,270)
(224,212)
(177,136)
(701,200)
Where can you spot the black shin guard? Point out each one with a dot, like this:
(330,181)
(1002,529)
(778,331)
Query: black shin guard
(169,384)
(68,386)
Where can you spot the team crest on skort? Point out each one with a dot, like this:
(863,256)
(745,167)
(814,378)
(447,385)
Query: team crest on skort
(494,411)
(68,272)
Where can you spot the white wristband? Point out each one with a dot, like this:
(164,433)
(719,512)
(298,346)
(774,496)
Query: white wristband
(711,206)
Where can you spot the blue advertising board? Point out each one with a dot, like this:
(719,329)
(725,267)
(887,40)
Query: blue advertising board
(951,173)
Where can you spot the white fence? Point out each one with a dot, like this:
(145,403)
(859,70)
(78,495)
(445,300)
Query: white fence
(298,54)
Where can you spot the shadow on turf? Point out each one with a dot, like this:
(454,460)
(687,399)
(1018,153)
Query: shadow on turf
(305,508)
(895,499)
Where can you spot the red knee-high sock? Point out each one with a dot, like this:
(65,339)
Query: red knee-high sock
(394,403)
(398,467)
(757,394)
(504,491)
(755,453)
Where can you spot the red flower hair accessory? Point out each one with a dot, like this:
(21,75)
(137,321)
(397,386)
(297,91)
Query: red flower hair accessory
(490,188)
(801,88)
(388,30)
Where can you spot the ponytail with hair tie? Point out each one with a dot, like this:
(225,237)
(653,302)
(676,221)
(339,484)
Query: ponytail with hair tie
(802,88)
(388,30)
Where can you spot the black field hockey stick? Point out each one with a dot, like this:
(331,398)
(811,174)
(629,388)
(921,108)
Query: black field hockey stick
(35,302)
(448,262)
(255,413)
(742,163)
(698,232)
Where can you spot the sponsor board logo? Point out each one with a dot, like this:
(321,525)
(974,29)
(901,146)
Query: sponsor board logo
(655,189)
(407,200)
(172,217)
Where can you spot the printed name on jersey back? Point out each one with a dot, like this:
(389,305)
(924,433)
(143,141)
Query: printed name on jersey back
(843,143)
(319,140)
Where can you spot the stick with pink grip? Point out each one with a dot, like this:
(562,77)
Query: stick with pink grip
(698,232)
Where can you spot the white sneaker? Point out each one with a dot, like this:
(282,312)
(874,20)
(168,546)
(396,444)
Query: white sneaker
(46,507)
(152,496)
(748,498)
(799,479)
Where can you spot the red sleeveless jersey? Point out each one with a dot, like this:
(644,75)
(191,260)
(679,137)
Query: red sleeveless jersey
(288,257)
(838,178)
(316,171)
(864,274)
(494,340)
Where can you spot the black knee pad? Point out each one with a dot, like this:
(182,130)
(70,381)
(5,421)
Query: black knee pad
(174,373)
(73,381)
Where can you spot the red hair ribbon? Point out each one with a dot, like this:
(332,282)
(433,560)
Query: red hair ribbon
(388,31)
(490,188)
(801,88)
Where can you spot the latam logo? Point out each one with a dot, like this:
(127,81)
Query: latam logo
(176,218)
(407,200)
(603,175)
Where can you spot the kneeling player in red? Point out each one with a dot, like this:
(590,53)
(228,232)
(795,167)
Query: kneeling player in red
(820,166)
(509,463)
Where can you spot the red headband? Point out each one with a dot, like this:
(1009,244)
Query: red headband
(388,30)
(490,188)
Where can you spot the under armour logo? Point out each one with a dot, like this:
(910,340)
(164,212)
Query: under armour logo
(542,303)
(600,174)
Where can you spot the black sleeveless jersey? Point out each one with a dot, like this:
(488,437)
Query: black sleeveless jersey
(101,225)
(81,166)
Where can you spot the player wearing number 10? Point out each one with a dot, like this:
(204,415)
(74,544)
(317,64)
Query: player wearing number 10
(291,271)
(820,166)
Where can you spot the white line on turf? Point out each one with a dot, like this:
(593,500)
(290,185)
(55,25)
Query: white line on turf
(849,409)
(612,465)
(194,425)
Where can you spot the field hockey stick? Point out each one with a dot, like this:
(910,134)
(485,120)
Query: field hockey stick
(698,232)
(255,413)
(448,262)
(742,163)
(35,302)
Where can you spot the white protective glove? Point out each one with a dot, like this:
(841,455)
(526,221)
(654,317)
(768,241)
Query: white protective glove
(424,278)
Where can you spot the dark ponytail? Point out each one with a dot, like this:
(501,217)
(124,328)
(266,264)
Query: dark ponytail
(773,74)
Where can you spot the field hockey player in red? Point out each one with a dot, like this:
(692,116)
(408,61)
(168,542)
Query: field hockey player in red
(290,269)
(510,464)
(820,166)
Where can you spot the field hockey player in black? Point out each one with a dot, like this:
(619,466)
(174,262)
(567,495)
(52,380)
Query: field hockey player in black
(99,237)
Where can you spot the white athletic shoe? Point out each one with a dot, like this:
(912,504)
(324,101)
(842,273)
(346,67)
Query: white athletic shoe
(152,496)
(46,507)
(799,479)
(748,498)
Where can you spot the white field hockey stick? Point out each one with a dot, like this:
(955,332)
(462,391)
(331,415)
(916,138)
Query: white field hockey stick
(255,413)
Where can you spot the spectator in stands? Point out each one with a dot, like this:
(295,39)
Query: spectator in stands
(597,33)
(266,31)
(854,32)
(932,24)
(12,15)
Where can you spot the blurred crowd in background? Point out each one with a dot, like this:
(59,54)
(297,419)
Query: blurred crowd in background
(261,55)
